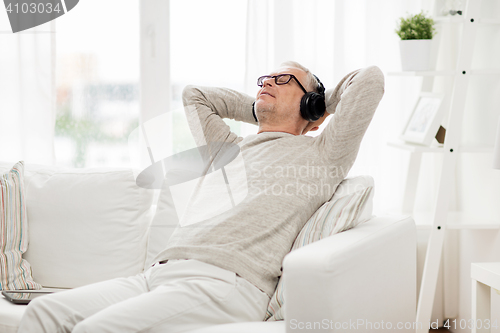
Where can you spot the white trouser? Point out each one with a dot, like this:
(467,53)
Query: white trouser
(178,296)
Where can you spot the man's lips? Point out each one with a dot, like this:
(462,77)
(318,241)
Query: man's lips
(266,93)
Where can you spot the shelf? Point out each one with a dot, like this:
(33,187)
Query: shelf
(488,21)
(460,19)
(456,221)
(445,72)
(423,73)
(449,19)
(485,71)
(475,149)
(415,148)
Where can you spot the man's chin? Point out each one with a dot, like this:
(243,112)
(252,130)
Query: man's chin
(262,104)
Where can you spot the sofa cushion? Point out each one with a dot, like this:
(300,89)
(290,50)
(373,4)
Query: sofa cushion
(347,209)
(15,272)
(85,225)
(10,315)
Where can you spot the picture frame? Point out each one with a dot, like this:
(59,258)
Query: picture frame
(424,121)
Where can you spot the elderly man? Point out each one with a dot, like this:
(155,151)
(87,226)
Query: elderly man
(225,267)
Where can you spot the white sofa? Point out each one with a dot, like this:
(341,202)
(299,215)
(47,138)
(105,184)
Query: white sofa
(88,225)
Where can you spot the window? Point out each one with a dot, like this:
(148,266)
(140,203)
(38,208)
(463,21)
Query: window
(97,83)
(98,72)
(207,41)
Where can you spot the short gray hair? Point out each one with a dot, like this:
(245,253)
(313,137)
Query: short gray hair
(311,83)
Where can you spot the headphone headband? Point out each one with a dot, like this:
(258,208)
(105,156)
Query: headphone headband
(320,87)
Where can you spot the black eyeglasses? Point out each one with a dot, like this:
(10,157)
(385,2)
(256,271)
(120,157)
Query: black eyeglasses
(279,79)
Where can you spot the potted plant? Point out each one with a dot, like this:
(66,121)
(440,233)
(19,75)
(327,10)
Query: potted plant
(416,32)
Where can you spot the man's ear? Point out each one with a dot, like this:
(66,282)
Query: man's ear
(315,128)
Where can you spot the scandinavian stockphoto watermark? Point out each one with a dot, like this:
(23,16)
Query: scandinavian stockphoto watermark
(304,179)
(362,325)
(26,14)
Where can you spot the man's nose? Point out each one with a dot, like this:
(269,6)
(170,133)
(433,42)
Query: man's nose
(268,81)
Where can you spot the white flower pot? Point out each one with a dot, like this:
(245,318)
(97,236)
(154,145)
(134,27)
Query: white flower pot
(415,54)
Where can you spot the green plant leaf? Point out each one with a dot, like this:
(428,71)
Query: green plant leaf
(417,26)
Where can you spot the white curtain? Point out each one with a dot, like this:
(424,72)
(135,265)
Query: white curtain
(27,95)
(333,38)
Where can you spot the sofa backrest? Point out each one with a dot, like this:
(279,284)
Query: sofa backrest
(85,225)
(92,224)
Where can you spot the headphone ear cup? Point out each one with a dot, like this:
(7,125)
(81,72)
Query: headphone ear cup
(317,106)
(304,109)
(312,106)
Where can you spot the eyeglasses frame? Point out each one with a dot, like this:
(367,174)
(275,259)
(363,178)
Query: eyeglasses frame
(279,84)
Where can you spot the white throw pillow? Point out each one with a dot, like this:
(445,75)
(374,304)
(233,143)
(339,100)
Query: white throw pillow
(85,225)
(352,185)
(347,209)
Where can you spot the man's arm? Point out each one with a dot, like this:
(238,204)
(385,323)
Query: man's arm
(206,106)
(352,105)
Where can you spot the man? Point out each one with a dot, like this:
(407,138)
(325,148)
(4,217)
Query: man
(224,268)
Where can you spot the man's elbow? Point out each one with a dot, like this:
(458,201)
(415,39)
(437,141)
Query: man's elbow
(190,93)
(375,77)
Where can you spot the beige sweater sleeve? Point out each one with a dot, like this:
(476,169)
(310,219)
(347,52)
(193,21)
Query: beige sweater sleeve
(352,105)
(206,106)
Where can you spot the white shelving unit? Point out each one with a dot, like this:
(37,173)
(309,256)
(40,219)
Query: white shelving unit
(440,219)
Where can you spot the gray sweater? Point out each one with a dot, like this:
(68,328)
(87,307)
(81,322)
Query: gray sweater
(275,184)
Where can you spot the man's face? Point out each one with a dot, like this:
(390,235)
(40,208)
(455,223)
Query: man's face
(276,104)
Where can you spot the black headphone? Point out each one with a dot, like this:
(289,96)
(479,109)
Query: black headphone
(312,104)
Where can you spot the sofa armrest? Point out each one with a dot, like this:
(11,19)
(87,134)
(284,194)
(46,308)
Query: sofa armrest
(360,280)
